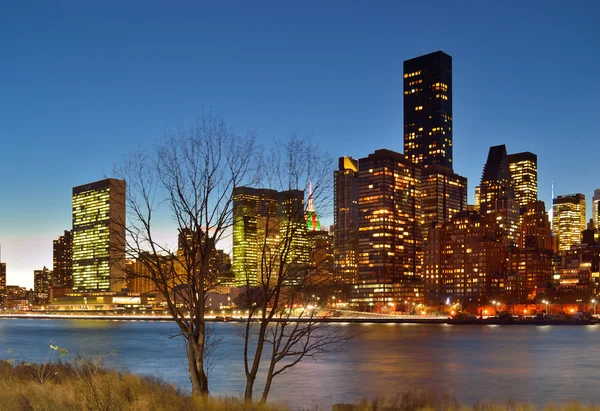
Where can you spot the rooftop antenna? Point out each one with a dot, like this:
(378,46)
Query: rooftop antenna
(310,206)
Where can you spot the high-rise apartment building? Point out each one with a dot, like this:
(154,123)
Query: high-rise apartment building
(99,236)
(568,220)
(389,230)
(596,208)
(443,195)
(496,194)
(463,257)
(428,109)
(62,261)
(523,173)
(345,220)
(535,227)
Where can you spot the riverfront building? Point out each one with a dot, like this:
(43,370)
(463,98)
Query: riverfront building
(99,236)
(463,258)
(390,244)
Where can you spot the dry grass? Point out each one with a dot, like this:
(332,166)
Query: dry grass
(433,401)
(81,387)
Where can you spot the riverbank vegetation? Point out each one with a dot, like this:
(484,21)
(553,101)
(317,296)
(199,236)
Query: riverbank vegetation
(83,385)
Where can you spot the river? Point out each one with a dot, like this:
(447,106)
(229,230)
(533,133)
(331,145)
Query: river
(535,364)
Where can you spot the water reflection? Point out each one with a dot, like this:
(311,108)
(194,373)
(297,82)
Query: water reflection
(533,364)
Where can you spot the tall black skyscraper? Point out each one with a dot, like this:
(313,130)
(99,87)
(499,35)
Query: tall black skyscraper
(428,109)
(346,220)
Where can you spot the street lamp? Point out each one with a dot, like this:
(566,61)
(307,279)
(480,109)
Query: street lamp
(595,310)
(546,302)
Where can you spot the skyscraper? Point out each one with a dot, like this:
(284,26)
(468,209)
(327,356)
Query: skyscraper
(443,195)
(389,227)
(428,109)
(345,220)
(523,173)
(596,208)
(255,225)
(62,261)
(496,194)
(568,220)
(268,223)
(428,136)
(99,236)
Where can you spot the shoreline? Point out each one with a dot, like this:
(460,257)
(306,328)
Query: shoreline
(334,320)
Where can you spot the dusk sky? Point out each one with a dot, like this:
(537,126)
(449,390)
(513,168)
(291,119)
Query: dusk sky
(83,83)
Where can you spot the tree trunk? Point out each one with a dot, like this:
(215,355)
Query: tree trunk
(198,377)
(268,382)
(251,376)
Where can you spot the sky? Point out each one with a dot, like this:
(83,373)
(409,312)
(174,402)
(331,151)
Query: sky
(84,83)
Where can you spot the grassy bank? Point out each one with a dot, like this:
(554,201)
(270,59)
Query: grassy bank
(85,386)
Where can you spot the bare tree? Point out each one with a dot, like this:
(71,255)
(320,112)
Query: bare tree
(191,176)
(285,323)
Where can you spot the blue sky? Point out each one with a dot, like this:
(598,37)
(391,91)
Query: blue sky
(82,83)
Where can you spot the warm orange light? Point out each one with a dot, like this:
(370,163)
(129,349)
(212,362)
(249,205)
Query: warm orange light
(484,312)
(524,311)
(453,313)
(572,310)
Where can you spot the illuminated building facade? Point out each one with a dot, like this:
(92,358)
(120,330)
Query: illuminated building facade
(345,218)
(42,280)
(428,109)
(390,231)
(139,278)
(267,222)
(99,236)
(535,227)
(496,195)
(523,174)
(293,230)
(443,195)
(62,261)
(596,208)
(529,273)
(321,257)
(254,224)
(568,220)
(462,258)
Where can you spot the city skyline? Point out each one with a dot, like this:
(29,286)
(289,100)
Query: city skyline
(60,107)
